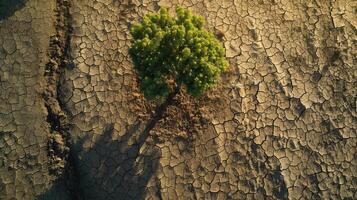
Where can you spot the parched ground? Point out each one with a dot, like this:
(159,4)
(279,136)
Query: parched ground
(281,124)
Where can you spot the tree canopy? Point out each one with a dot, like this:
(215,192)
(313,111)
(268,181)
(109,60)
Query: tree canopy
(173,51)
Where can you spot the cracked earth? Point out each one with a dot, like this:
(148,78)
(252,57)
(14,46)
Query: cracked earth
(281,123)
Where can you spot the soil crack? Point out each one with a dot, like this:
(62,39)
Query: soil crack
(62,162)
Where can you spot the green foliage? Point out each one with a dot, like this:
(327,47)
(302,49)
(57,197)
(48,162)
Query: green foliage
(171,52)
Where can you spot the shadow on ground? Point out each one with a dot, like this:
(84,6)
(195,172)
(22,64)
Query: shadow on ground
(111,169)
(9,7)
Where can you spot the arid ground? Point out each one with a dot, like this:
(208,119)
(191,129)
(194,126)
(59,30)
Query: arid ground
(281,123)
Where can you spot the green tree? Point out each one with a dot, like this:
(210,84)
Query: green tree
(170,52)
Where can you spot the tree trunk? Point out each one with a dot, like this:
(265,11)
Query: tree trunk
(159,113)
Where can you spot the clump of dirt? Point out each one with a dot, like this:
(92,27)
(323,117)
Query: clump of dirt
(58,151)
(58,143)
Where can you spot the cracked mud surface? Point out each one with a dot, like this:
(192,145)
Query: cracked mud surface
(281,124)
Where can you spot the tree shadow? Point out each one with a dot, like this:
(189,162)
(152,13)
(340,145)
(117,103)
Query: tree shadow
(111,168)
(9,7)
(124,165)
(104,167)
(58,191)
